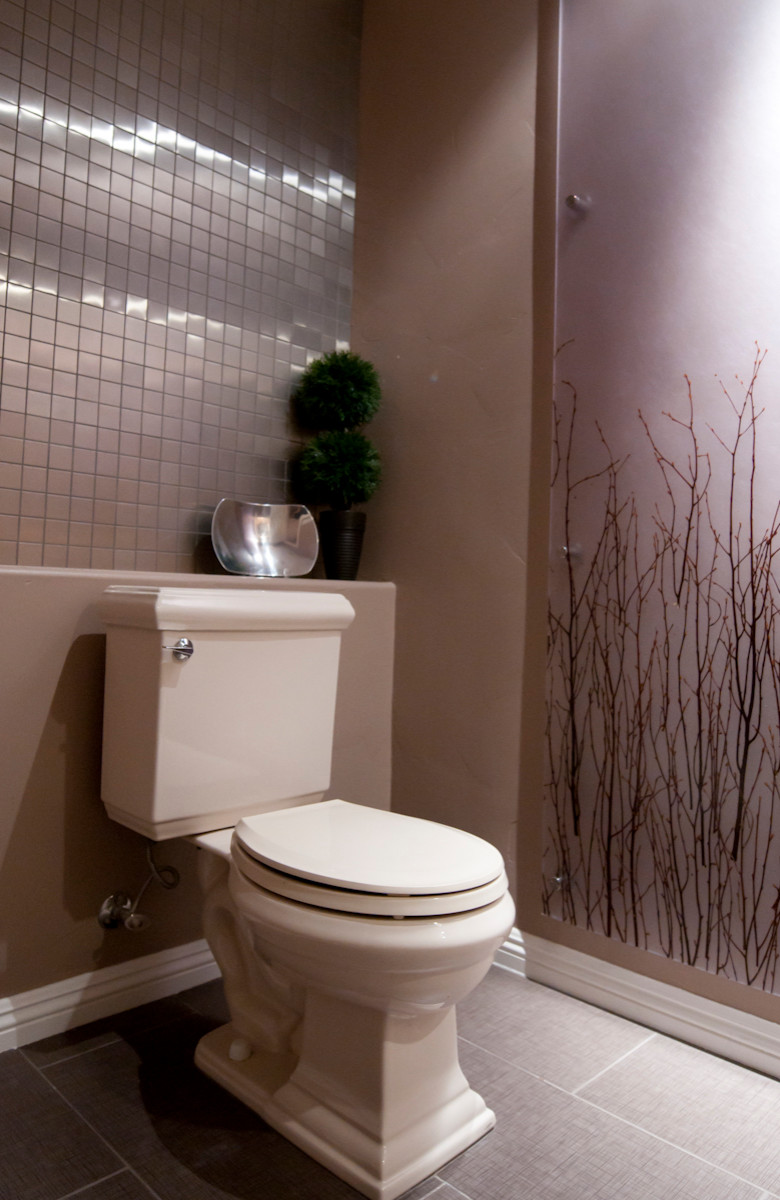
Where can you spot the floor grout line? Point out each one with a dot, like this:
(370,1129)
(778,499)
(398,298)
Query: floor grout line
(70,1057)
(759,1187)
(453,1188)
(82,1191)
(440,1184)
(126,1166)
(622,1058)
(652,1033)
(500,1058)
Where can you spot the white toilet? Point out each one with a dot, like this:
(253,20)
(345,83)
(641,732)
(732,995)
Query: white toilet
(345,934)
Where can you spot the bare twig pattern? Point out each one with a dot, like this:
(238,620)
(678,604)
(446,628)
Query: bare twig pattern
(663,737)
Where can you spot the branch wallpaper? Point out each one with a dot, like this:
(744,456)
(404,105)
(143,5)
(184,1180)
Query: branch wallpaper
(664,703)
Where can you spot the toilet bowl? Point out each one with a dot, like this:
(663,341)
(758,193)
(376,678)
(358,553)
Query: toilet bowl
(345,934)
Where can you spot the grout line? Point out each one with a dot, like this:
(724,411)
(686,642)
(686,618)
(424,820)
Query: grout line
(80,1191)
(83,1191)
(71,1056)
(457,1190)
(544,1078)
(622,1058)
(500,1058)
(762,1194)
(126,1165)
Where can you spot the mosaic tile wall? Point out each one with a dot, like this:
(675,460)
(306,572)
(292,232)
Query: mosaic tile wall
(176,207)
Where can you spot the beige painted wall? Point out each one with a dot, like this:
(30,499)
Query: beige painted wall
(60,855)
(442,305)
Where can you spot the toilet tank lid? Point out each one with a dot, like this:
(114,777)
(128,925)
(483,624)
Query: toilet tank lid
(224,608)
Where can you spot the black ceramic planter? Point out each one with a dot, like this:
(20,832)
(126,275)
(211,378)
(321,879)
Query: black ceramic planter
(341,538)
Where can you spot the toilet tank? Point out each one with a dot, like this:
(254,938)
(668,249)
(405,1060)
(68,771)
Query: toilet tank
(242,725)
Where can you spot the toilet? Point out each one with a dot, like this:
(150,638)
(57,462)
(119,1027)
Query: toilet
(345,934)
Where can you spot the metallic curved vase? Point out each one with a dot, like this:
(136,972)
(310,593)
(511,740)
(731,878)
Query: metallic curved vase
(264,539)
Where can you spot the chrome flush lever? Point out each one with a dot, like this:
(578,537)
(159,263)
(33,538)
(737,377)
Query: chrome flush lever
(183,649)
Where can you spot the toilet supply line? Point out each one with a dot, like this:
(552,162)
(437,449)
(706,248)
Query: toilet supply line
(120,909)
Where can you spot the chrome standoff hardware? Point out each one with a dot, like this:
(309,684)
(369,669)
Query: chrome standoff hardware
(578,204)
(183,649)
(573,553)
(119,909)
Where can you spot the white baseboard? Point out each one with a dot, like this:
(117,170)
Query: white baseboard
(511,955)
(45,1011)
(752,1041)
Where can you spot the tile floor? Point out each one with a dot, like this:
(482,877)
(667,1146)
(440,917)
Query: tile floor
(590,1107)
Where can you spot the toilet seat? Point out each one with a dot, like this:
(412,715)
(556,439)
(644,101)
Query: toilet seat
(350,858)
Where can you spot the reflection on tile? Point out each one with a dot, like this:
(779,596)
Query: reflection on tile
(551,1035)
(716,1109)
(148,226)
(548,1145)
(46,1150)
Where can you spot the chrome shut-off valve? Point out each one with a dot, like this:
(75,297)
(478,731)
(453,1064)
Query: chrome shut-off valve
(120,909)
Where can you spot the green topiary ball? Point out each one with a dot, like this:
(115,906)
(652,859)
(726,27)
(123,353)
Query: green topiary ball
(338,468)
(338,391)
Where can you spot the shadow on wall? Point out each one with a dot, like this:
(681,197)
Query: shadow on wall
(64,854)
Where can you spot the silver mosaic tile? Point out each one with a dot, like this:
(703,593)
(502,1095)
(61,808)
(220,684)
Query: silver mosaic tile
(175,244)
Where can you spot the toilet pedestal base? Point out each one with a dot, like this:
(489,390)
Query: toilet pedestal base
(382,1108)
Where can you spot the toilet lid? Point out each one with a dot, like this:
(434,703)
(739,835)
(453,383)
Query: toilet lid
(363,904)
(354,848)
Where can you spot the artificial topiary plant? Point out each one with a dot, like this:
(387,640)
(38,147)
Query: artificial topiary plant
(339,467)
(338,391)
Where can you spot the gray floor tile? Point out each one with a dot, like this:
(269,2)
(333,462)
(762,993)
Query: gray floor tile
(209,1000)
(108,1029)
(556,1037)
(548,1145)
(46,1150)
(723,1112)
(185,1136)
(132,1077)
